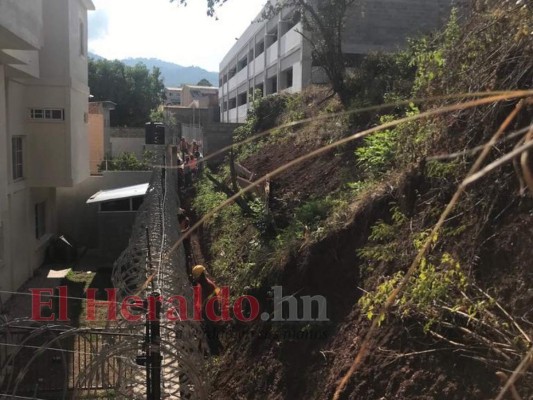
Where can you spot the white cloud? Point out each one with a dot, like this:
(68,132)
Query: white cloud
(164,30)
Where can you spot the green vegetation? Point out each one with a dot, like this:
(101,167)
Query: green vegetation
(129,162)
(136,90)
(444,297)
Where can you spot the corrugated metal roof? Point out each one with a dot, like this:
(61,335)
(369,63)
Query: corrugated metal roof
(119,193)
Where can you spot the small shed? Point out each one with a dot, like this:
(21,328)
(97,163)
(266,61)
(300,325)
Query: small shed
(117,209)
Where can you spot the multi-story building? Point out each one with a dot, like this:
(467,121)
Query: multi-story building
(43,124)
(272,56)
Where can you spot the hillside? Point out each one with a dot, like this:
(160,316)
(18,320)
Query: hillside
(427,275)
(173,74)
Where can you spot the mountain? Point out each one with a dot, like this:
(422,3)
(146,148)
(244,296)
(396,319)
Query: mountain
(172,74)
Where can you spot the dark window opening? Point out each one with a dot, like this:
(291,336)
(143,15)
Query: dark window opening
(136,202)
(286,78)
(16,158)
(242,98)
(115,205)
(242,63)
(259,48)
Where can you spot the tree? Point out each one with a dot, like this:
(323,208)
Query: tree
(136,90)
(204,82)
(323,24)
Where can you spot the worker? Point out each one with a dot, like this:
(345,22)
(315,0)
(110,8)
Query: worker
(209,290)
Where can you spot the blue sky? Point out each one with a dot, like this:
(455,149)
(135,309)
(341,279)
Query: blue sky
(164,30)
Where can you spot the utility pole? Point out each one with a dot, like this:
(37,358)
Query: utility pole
(152,348)
(155,349)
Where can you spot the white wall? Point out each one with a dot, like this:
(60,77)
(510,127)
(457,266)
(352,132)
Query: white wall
(55,154)
(21,24)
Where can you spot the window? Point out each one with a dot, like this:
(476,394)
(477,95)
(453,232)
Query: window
(259,90)
(136,202)
(49,114)
(242,63)
(40,219)
(272,85)
(82,38)
(232,103)
(242,98)
(16,157)
(259,48)
(272,36)
(129,204)
(286,78)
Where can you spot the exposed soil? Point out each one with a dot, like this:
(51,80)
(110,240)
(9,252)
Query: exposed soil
(265,360)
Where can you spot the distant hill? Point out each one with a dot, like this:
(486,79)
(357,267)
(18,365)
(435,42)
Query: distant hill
(173,74)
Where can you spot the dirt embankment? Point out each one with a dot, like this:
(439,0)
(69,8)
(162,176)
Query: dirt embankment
(265,360)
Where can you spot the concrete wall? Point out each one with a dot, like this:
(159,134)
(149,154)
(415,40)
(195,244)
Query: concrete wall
(216,137)
(39,69)
(127,140)
(385,25)
(192,116)
(72,203)
(21,24)
(96,141)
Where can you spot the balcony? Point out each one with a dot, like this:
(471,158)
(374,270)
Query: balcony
(242,113)
(272,54)
(232,83)
(291,40)
(232,115)
(259,64)
(242,76)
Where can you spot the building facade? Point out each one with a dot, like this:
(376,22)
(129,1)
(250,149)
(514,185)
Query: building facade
(43,124)
(172,96)
(273,57)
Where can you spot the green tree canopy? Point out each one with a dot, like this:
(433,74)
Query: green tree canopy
(136,90)
(204,82)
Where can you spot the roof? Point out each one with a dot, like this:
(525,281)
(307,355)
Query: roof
(174,89)
(119,193)
(203,88)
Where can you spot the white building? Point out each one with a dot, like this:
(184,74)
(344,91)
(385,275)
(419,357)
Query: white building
(272,56)
(43,124)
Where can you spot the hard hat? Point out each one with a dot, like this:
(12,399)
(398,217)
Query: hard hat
(197,271)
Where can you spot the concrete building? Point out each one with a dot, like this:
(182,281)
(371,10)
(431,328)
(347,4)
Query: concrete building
(173,96)
(43,124)
(199,96)
(273,57)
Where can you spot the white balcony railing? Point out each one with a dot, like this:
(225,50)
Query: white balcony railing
(232,115)
(272,54)
(242,76)
(259,63)
(290,40)
(242,112)
(232,83)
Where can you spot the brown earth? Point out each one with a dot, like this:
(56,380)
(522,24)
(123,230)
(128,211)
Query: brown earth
(265,360)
